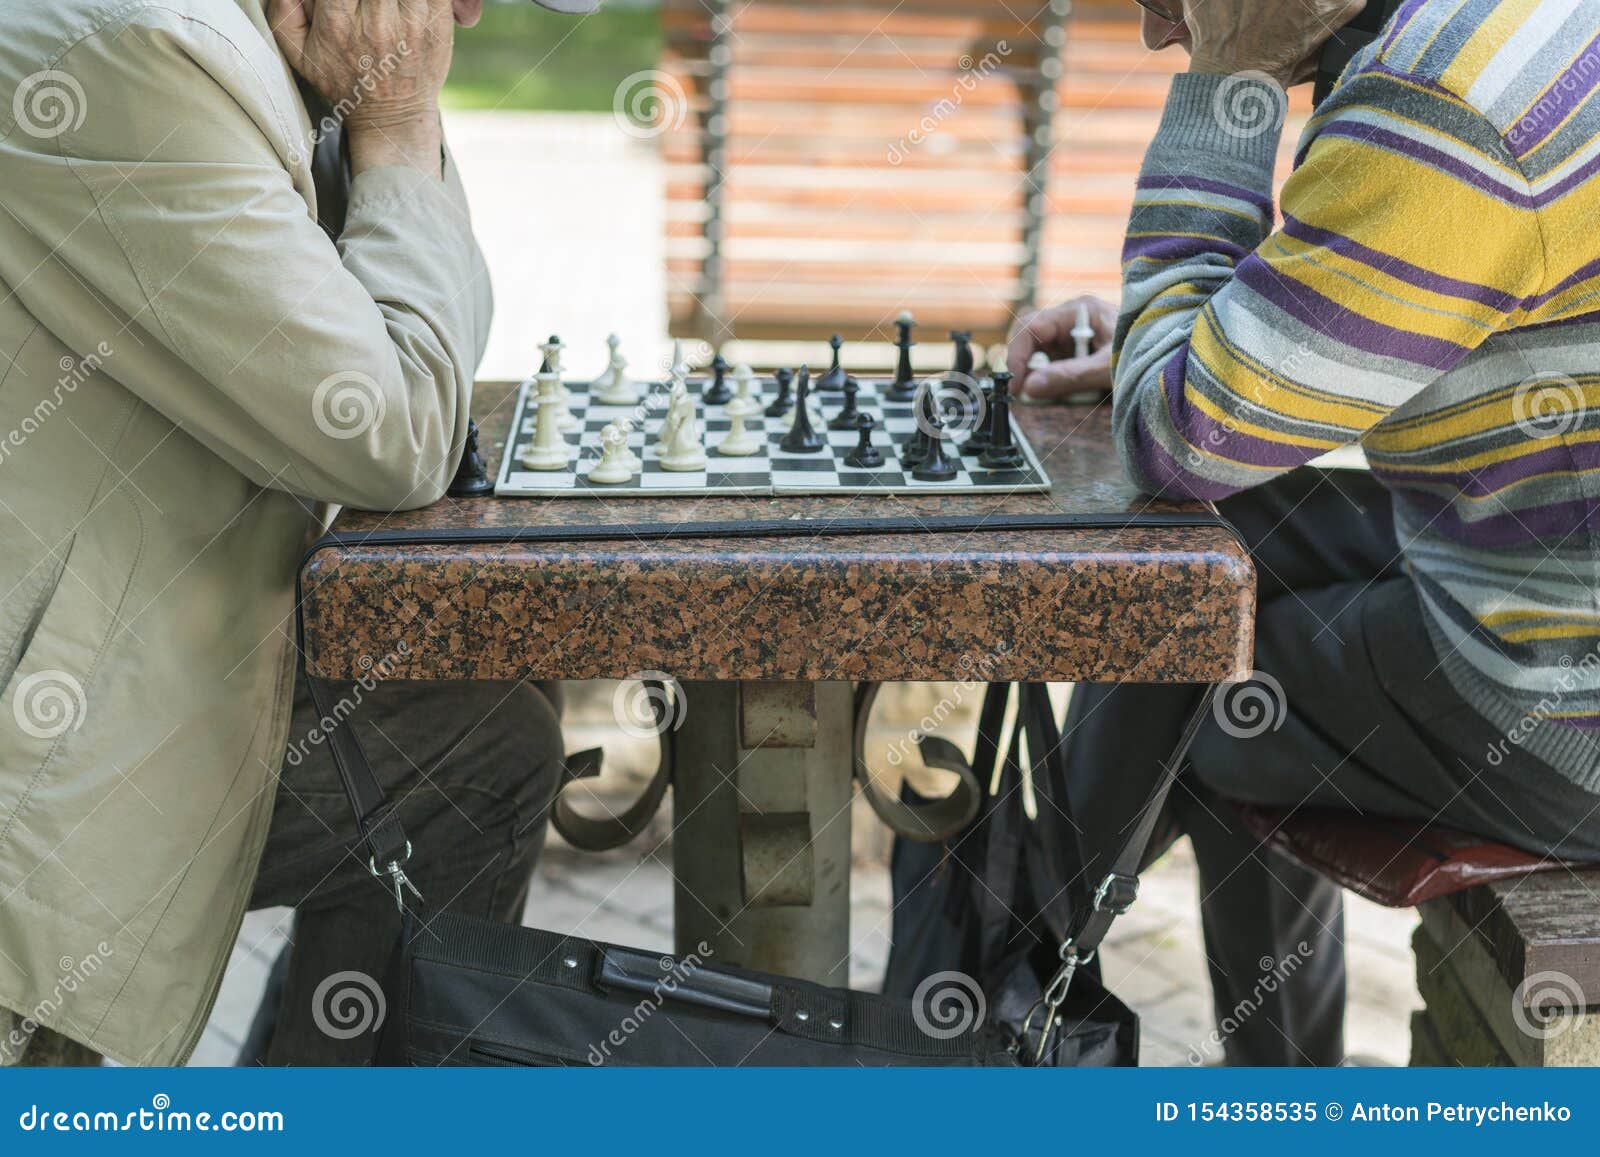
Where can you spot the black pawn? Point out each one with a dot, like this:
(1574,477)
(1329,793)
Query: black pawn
(865,456)
(845,419)
(803,437)
(834,378)
(978,441)
(779,406)
(937,465)
(916,446)
(719,392)
(1003,452)
(472,477)
(903,388)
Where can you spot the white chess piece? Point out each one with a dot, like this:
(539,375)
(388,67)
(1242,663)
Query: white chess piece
(740,442)
(1039,361)
(635,463)
(549,449)
(667,433)
(552,351)
(613,467)
(1082,333)
(607,376)
(683,451)
(615,388)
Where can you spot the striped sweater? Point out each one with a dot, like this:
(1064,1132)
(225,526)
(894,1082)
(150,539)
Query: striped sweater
(1433,293)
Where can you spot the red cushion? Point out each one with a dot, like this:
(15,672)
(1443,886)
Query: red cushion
(1397,863)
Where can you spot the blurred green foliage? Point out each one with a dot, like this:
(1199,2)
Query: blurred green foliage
(523,57)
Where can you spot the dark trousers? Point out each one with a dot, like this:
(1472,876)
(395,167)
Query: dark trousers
(473,768)
(1350,712)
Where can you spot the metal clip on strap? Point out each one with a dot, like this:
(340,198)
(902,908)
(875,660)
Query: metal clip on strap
(396,872)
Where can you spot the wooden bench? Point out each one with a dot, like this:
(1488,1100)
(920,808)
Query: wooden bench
(843,160)
(1508,951)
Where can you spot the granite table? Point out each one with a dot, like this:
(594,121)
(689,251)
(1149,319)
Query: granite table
(766,636)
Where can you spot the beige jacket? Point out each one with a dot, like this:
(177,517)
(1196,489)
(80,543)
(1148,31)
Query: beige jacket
(188,365)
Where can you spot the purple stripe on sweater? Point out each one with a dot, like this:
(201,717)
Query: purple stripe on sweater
(1327,316)
(1184,181)
(1168,478)
(1584,273)
(1218,438)
(1416,150)
(1401,270)
(1164,248)
(1479,483)
(1555,104)
(1547,524)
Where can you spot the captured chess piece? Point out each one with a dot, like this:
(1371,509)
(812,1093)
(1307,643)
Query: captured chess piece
(834,378)
(803,437)
(845,419)
(718,392)
(472,475)
(779,406)
(865,456)
(937,465)
(903,388)
(1082,333)
(741,441)
(1003,452)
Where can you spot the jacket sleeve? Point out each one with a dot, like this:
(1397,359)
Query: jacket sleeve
(1241,352)
(183,240)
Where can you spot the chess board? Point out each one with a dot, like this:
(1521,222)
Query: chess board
(770,471)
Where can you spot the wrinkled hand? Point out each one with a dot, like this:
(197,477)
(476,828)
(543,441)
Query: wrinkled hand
(1050,330)
(382,63)
(1280,38)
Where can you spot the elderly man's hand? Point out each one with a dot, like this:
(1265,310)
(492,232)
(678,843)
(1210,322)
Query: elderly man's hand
(381,63)
(1050,330)
(1280,38)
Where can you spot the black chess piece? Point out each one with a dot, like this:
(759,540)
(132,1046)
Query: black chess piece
(472,476)
(803,437)
(719,392)
(779,406)
(903,388)
(865,456)
(544,366)
(845,419)
(834,378)
(915,448)
(961,370)
(937,465)
(978,441)
(1003,452)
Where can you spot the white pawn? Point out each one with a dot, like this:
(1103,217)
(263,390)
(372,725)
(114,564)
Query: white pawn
(635,463)
(682,449)
(549,449)
(1082,333)
(740,442)
(614,466)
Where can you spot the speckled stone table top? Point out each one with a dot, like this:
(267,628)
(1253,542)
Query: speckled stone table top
(1145,603)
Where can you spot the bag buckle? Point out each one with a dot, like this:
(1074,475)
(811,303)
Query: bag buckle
(397,876)
(1055,994)
(1116,893)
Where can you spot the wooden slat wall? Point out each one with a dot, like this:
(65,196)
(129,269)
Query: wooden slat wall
(834,219)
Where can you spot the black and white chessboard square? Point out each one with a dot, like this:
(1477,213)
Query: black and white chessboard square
(769,471)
